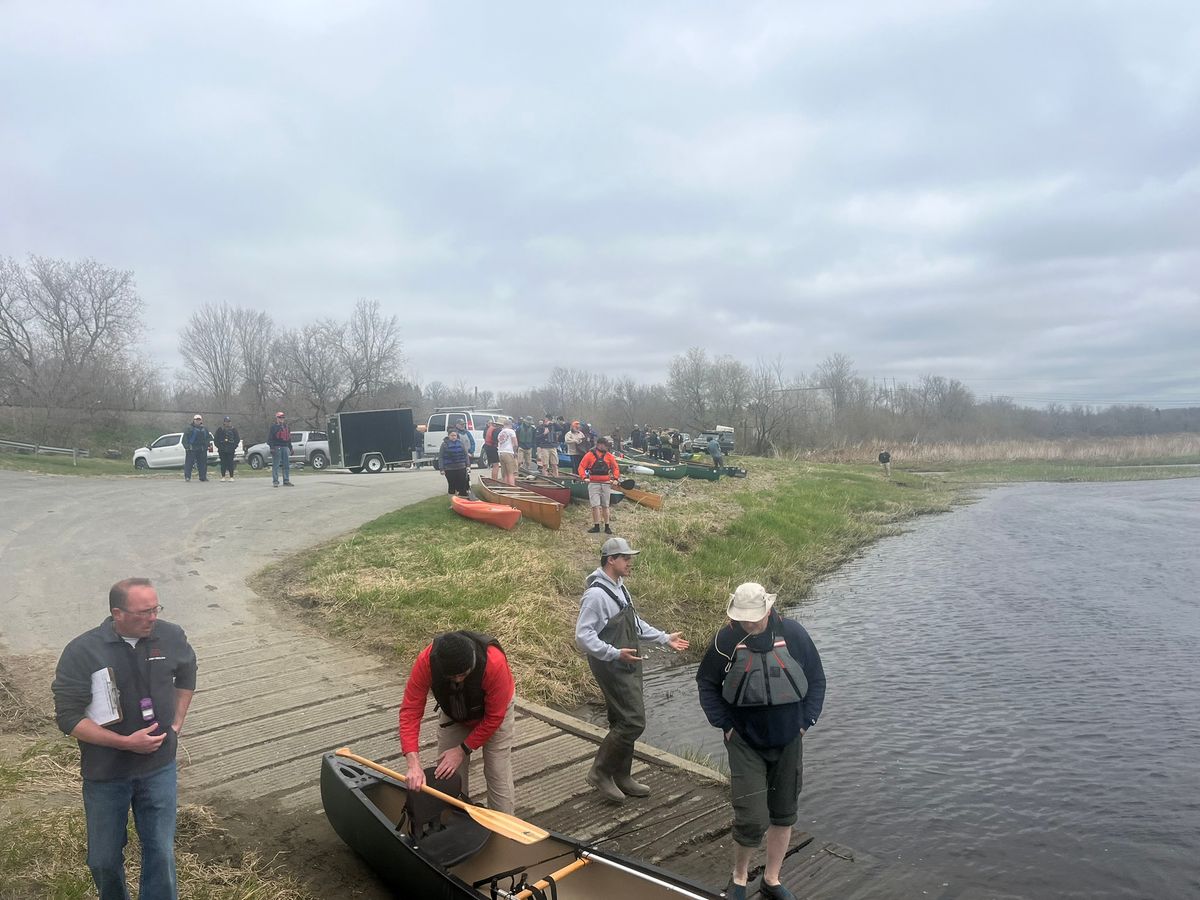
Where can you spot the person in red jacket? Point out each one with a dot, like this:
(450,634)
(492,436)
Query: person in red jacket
(468,674)
(599,469)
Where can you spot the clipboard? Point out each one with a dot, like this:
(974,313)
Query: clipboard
(105,708)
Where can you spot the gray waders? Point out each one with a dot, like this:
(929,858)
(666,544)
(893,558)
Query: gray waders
(621,684)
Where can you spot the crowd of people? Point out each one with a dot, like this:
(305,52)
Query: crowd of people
(760,682)
(197,439)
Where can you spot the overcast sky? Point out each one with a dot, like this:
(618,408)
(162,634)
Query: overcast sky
(1003,193)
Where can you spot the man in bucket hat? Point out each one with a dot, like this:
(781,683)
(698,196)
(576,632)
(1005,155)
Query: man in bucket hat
(761,682)
(608,631)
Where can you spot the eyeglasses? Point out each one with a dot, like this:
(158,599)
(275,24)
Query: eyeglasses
(142,613)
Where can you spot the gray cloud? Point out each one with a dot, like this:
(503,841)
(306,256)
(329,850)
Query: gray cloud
(984,191)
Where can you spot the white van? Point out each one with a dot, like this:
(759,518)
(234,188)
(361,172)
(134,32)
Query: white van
(460,417)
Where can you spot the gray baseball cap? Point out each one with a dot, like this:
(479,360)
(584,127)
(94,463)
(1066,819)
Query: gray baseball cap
(618,547)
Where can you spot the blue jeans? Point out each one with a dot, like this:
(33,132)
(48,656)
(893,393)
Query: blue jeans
(281,457)
(106,805)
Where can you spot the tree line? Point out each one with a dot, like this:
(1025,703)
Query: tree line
(70,334)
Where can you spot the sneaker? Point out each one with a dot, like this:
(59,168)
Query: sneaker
(595,529)
(735,891)
(276,484)
(287,484)
(607,529)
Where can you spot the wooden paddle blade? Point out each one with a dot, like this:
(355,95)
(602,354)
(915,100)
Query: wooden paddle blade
(500,823)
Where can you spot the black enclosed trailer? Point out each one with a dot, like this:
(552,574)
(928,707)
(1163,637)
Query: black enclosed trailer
(372,440)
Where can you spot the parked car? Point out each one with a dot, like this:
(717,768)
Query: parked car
(475,420)
(167,452)
(724,435)
(308,448)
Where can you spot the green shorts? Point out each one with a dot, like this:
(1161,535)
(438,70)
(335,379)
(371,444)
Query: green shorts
(765,786)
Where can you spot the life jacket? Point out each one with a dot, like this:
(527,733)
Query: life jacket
(599,465)
(489,436)
(462,702)
(763,678)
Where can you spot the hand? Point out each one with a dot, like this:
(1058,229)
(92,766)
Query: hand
(416,775)
(676,641)
(450,761)
(629,655)
(143,741)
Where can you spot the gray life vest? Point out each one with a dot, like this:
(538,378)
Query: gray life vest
(763,678)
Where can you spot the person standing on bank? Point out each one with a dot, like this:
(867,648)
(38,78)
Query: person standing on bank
(506,449)
(195,449)
(226,438)
(547,448)
(885,461)
(608,631)
(575,441)
(455,460)
(128,760)
(525,438)
(279,439)
(469,676)
(599,468)
(761,682)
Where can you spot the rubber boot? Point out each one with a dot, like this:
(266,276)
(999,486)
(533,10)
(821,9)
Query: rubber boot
(626,785)
(604,784)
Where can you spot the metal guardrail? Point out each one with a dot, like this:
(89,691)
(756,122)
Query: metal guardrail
(74,452)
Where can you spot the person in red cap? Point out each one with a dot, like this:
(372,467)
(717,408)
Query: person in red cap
(279,439)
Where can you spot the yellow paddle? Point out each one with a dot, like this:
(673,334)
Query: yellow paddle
(501,823)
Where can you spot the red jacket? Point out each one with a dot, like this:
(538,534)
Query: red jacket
(589,459)
(498,690)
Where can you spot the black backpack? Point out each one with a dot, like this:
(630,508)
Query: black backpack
(600,466)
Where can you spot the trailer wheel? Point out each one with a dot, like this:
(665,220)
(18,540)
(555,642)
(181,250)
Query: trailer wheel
(373,464)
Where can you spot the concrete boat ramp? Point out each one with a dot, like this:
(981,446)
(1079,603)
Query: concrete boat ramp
(260,738)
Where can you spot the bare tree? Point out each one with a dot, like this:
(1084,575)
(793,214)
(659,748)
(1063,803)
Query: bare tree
(370,351)
(688,378)
(254,336)
(208,344)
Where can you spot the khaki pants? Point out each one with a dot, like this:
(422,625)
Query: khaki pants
(525,457)
(548,460)
(497,758)
(508,466)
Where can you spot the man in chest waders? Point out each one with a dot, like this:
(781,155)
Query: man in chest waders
(608,631)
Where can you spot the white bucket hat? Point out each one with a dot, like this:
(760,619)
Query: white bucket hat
(749,603)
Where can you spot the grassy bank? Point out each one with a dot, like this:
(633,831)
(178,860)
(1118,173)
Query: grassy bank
(407,575)
(43,838)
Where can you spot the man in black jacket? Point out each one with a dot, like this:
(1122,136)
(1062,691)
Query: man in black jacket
(135,674)
(761,682)
(227,438)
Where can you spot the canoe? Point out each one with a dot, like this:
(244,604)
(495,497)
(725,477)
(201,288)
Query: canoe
(648,499)
(537,507)
(662,469)
(492,513)
(367,810)
(548,488)
(734,471)
(700,470)
(579,488)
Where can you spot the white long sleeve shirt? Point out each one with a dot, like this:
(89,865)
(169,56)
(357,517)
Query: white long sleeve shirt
(595,609)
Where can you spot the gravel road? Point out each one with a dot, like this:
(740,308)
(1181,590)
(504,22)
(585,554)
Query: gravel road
(65,540)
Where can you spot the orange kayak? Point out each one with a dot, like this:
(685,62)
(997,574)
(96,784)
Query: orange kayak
(491,513)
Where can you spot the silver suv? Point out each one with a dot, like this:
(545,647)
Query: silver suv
(308,448)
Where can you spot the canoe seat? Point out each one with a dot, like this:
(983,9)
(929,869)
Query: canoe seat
(444,835)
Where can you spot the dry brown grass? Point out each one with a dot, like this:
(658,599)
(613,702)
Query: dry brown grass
(1159,448)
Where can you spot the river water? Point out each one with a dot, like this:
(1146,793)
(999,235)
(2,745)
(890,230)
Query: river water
(1013,695)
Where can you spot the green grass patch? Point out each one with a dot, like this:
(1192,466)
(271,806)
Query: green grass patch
(404,577)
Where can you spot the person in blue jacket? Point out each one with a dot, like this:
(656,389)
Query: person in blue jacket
(761,682)
(195,447)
